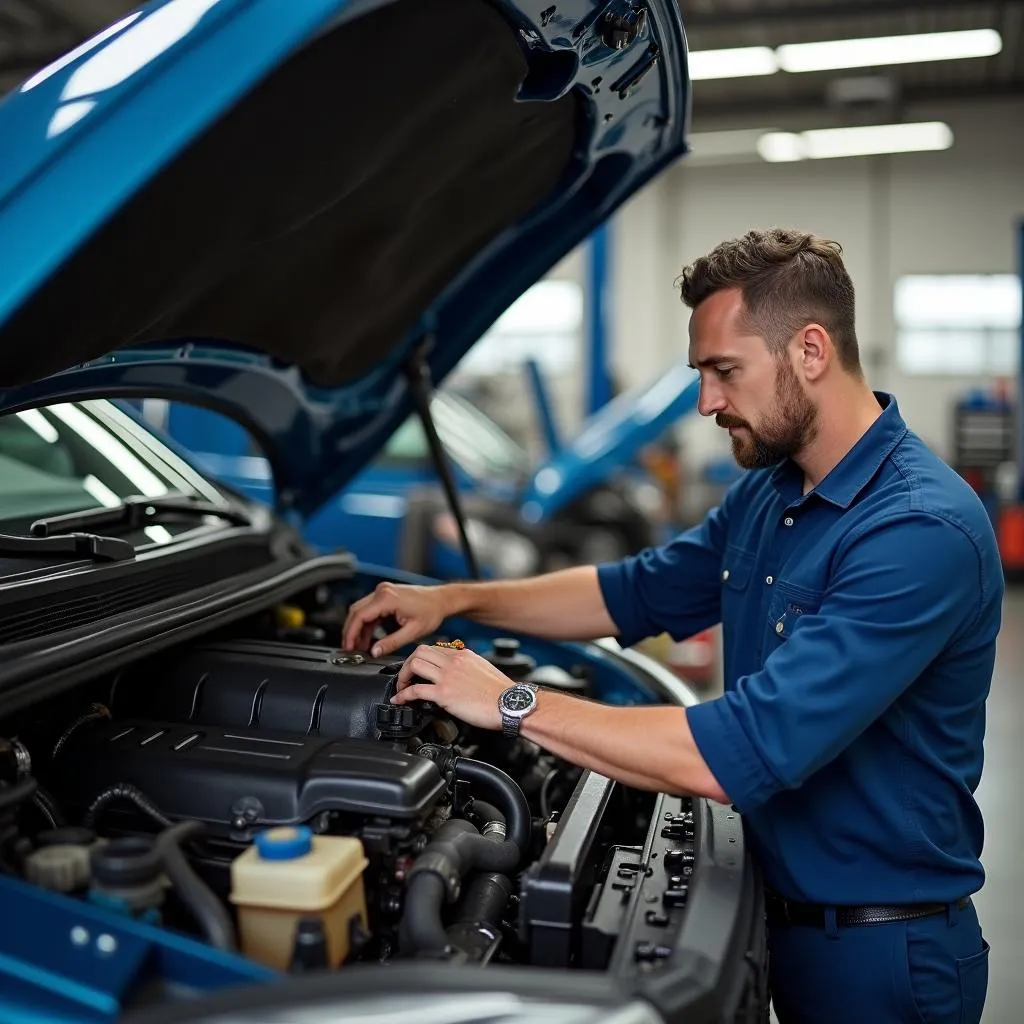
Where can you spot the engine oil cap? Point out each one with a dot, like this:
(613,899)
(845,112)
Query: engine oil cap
(285,843)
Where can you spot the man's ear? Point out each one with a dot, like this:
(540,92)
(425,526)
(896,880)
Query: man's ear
(815,351)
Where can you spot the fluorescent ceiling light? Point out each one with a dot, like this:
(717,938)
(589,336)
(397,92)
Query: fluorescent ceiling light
(729,146)
(781,147)
(741,62)
(906,49)
(748,61)
(868,140)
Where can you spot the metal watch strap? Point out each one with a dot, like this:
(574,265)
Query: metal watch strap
(510,724)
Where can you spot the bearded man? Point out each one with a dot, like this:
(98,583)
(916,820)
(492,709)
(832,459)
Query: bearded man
(858,583)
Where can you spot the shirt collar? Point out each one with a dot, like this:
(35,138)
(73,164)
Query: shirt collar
(842,485)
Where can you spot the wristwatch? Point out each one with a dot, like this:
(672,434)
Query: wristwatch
(515,704)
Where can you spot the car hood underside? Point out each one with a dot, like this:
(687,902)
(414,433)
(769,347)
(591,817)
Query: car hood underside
(387,184)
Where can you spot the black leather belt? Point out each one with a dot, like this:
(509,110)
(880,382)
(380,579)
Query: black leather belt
(781,911)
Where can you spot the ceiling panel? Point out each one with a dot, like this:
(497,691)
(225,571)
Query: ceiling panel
(34,32)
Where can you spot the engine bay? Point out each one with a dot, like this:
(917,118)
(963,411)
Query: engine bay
(257,796)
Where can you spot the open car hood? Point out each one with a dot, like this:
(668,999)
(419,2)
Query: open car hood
(609,440)
(270,209)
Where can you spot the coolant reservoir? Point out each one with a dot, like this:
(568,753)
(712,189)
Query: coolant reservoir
(289,874)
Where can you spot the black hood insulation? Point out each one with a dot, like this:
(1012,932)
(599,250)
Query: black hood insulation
(320,217)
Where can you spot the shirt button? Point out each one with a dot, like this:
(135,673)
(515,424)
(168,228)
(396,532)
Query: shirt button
(769,580)
(788,520)
(779,627)
(725,574)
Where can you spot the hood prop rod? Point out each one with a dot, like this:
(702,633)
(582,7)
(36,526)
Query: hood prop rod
(421,388)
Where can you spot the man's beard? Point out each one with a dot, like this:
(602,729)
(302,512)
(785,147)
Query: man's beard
(787,429)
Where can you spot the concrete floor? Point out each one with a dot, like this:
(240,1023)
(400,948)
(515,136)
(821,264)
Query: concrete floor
(1001,902)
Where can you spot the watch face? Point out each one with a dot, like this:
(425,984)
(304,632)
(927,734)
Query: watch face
(517,699)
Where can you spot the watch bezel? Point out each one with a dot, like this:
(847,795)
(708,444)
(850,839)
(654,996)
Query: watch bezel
(518,712)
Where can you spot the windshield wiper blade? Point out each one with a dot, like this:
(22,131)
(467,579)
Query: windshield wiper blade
(136,511)
(89,546)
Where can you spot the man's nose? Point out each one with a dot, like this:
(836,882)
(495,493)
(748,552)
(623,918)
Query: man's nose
(710,400)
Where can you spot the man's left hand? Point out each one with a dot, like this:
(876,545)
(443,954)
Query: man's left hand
(460,681)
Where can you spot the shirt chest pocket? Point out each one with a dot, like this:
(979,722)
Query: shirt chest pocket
(737,569)
(787,606)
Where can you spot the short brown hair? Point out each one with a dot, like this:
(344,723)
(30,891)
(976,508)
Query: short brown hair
(788,279)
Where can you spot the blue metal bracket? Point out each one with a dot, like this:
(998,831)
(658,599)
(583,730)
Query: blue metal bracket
(599,391)
(545,412)
(68,960)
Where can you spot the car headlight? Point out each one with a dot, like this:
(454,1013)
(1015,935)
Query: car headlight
(505,553)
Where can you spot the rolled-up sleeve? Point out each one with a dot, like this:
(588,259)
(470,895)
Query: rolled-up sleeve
(675,588)
(900,593)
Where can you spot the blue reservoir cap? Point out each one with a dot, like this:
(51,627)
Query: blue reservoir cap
(285,843)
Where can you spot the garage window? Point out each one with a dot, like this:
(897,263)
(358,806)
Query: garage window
(958,324)
(545,324)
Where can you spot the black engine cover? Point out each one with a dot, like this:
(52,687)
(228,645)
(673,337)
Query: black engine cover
(213,774)
(257,684)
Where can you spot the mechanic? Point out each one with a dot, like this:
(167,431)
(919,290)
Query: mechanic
(859,587)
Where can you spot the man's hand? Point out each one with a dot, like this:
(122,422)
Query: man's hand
(464,684)
(418,611)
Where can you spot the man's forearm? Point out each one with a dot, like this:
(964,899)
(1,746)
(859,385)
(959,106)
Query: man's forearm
(648,748)
(563,605)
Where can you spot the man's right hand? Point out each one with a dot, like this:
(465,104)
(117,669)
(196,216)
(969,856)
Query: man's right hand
(418,611)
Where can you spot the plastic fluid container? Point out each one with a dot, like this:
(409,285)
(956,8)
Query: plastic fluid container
(289,874)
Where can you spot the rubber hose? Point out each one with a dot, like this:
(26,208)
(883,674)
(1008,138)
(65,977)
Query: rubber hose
(487,812)
(485,900)
(208,911)
(422,930)
(476,930)
(123,791)
(456,851)
(14,796)
(44,805)
(97,714)
(507,793)
(463,850)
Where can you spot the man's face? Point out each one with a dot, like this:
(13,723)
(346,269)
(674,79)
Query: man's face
(750,391)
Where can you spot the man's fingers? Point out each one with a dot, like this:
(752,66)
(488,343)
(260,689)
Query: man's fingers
(362,620)
(353,619)
(420,663)
(421,691)
(406,634)
(355,630)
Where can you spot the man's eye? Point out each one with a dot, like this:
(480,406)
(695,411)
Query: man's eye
(724,373)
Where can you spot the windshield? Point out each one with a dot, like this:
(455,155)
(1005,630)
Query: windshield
(82,455)
(472,440)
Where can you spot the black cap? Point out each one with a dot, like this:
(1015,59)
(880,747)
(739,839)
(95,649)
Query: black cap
(397,721)
(127,862)
(69,835)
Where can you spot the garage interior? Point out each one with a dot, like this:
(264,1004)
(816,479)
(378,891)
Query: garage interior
(930,216)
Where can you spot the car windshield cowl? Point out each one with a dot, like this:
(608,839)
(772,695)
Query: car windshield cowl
(137,511)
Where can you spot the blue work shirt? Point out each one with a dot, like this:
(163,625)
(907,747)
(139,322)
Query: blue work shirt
(859,628)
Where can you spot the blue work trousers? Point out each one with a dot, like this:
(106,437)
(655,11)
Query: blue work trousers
(933,970)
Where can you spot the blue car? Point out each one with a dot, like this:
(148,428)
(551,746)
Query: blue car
(298,215)
(587,502)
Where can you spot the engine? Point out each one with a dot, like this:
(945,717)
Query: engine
(268,797)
